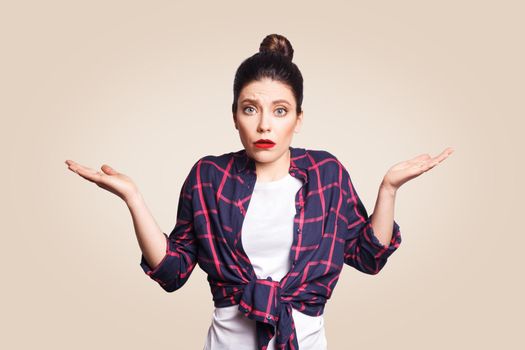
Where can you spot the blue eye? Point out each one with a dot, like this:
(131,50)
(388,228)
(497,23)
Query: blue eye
(284,111)
(248,108)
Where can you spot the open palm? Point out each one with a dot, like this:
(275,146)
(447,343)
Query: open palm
(406,170)
(108,179)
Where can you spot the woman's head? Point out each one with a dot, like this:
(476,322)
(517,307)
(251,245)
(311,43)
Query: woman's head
(268,93)
(274,61)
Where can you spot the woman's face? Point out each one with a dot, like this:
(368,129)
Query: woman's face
(266,109)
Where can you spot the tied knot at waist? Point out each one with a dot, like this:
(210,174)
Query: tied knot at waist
(262,302)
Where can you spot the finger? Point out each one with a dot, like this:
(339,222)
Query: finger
(90,170)
(73,167)
(70,163)
(109,170)
(76,166)
(433,162)
(419,158)
(93,177)
(443,155)
(87,177)
(448,151)
(87,173)
(422,166)
(430,165)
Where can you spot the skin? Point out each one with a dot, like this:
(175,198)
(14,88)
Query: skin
(383,217)
(260,117)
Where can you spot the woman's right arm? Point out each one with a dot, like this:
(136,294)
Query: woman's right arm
(169,260)
(151,239)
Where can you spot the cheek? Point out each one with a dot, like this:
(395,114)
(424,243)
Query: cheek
(243,130)
(242,127)
(288,129)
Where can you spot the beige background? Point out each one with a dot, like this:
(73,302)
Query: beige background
(146,87)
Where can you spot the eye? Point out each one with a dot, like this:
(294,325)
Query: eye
(247,108)
(281,113)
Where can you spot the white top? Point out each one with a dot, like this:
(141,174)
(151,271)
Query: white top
(267,238)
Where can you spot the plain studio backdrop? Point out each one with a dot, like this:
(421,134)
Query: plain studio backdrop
(146,87)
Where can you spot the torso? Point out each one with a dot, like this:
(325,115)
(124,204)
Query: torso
(267,237)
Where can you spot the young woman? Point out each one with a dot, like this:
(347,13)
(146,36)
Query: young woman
(272,225)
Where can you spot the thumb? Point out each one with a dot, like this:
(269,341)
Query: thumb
(108,170)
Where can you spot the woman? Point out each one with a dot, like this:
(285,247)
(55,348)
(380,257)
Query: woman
(271,225)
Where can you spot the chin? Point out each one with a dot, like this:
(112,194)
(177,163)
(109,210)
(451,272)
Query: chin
(267,157)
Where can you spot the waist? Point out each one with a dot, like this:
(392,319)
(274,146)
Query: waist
(232,312)
(306,326)
(272,306)
(308,301)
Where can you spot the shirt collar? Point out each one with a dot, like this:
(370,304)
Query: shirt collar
(298,160)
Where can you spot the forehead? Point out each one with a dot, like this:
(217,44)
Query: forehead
(267,90)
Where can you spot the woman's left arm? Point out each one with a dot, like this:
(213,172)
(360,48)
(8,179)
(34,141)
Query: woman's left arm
(382,220)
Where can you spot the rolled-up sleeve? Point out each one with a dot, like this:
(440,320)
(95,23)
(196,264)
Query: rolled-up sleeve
(180,257)
(363,250)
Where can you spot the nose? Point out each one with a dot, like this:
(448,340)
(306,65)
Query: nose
(264,122)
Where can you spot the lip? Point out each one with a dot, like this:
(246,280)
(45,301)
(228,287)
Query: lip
(264,143)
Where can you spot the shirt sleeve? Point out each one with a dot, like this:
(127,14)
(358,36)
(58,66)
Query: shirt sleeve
(363,250)
(180,257)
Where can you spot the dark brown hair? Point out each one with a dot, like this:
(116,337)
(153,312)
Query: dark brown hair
(274,61)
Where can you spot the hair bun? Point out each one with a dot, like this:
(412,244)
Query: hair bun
(275,43)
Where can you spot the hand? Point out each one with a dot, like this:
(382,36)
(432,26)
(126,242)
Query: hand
(409,169)
(108,179)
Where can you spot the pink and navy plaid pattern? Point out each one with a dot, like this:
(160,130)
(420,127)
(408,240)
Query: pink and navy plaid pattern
(331,228)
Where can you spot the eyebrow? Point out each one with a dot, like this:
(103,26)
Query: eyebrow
(274,102)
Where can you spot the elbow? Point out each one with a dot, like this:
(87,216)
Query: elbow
(368,266)
(173,285)
(376,266)
(172,273)
(170,288)
(374,270)
(180,279)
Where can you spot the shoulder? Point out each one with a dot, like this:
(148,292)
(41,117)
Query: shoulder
(320,154)
(208,165)
(213,162)
(325,158)
(330,168)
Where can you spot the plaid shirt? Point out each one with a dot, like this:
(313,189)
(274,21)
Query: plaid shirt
(331,227)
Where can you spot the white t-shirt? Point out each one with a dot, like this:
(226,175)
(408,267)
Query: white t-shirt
(267,237)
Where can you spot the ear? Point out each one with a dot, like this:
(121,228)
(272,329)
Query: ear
(299,122)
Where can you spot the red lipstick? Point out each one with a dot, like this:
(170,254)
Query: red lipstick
(264,143)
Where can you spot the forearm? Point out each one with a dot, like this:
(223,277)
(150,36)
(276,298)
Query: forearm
(151,239)
(383,217)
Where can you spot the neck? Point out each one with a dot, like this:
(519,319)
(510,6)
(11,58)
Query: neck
(275,170)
